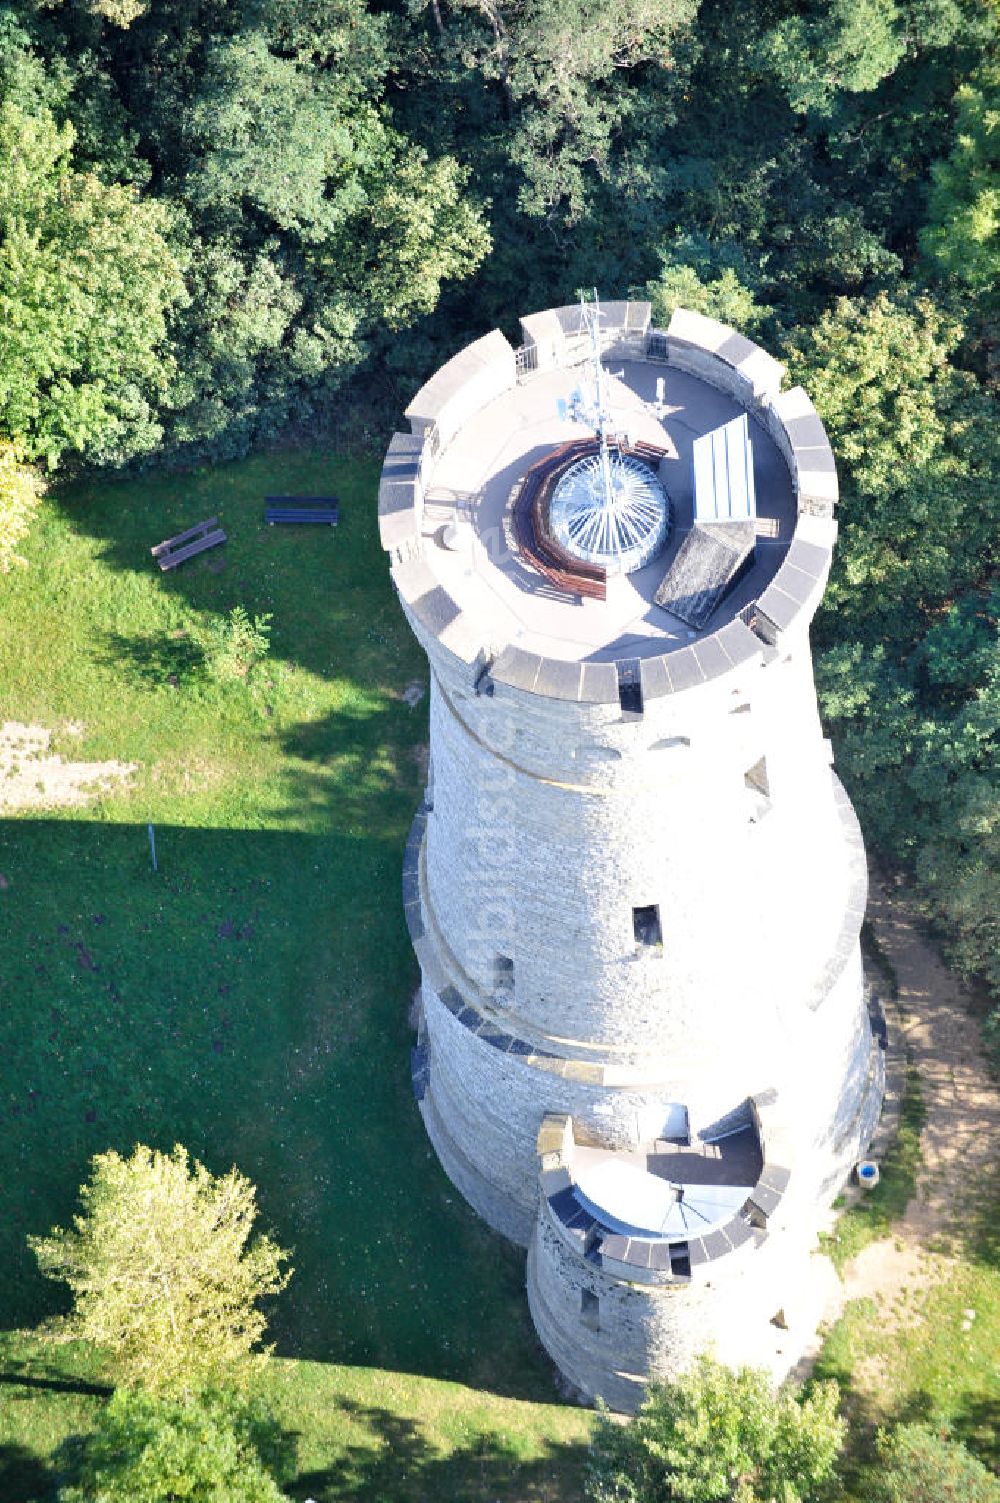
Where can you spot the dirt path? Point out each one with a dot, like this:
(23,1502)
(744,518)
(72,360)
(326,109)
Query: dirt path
(960,1139)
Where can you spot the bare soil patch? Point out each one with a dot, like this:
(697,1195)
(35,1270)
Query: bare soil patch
(31,777)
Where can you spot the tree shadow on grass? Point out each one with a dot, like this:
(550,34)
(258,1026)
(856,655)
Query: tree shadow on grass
(977,1425)
(836,1361)
(155,660)
(355,770)
(24,1477)
(982,1240)
(249,1000)
(402,1466)
(21,1379)
(327,588)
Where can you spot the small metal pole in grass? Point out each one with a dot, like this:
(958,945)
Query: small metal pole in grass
(152,845)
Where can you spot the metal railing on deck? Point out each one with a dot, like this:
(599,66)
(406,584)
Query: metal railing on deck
(525,360)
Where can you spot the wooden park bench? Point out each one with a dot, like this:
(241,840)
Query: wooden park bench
(175,550)
(324,509)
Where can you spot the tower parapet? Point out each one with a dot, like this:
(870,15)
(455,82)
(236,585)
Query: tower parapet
(635,887)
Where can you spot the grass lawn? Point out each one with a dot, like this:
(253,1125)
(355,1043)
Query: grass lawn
(249,998)
(925,1358)
(929,1362)
(361,1433)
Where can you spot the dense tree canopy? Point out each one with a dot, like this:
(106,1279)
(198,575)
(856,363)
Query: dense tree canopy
(87,281)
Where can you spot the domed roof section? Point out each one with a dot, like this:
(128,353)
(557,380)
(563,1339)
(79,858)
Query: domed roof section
(610,509)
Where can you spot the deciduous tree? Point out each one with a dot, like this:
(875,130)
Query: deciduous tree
(20,488)
(919,1462)
(211,1449)
(164,1275)
(717,1436)
(87,282)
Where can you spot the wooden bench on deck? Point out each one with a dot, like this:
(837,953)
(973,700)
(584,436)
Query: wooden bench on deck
(185,545)
(324,509)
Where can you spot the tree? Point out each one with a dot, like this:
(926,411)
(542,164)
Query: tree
(214,1449)
(961,239)
(87,282)
(845,45)
(20,489)
(918,1462)
(918,744)
(689,279)
(562,78)
(717,1436)
(163,1274)
(917,444)
(316,225)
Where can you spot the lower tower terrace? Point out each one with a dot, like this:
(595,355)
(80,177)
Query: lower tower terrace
(635,887)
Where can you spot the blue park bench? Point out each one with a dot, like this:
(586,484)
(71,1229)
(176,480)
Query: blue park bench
(324,509)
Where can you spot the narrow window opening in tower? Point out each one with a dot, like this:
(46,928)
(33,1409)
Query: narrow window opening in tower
(629,687)
(503,975)
(756,779)
(590,1310)
(646,925)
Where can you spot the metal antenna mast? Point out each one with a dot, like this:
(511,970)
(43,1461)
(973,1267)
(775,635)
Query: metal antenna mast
(591,315)
(608,508)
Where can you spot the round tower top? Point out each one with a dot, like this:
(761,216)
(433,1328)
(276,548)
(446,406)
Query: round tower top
(747,469)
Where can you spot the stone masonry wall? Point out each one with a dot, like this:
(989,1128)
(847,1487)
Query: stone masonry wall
(552,816)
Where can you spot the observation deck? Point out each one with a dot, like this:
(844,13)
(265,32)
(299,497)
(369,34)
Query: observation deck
(449,489)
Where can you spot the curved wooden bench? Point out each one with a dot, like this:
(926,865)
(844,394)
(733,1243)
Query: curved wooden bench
(531,518)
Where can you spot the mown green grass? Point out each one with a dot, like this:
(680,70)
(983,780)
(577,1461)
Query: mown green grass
(249,998)
(358,1433)
(929,1363)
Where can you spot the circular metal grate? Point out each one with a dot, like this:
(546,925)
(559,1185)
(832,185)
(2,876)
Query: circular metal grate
(610,509)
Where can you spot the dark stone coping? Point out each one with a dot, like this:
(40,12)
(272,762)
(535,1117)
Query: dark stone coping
(420,1070)
(792,594)
(411,875)
(488,1032)
(435,610)
(651,1260)
(400,493)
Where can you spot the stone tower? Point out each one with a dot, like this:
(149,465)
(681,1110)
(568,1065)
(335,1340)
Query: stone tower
(635,885)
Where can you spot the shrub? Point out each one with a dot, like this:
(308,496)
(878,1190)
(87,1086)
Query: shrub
(235,643)
(919,1462)
(718,1436)
(214,1449)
